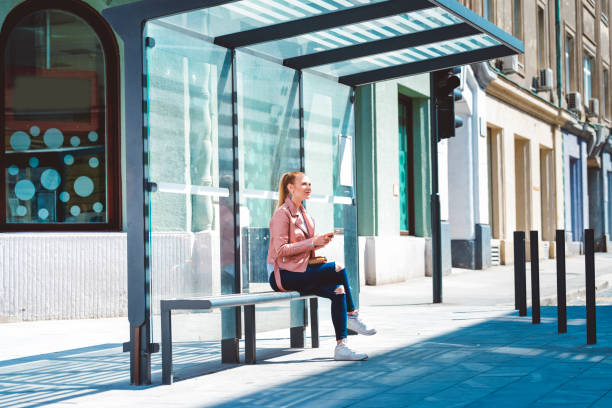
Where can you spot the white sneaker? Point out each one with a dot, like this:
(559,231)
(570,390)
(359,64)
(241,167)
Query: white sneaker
(354,323)
(344,353)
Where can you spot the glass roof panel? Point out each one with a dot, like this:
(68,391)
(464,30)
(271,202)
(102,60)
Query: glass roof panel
(408,55)
(249,14)
(352,34)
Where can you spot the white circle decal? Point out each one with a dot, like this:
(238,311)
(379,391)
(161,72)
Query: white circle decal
(25,190)
(21,211)
(98,207)
(53,138)
(75,210)
(93,162)
(83,186)
(75,141)
(92,136)
(43,213)
(33,162)
(13,170)
(20,141)
(50,179)
(64,196)
(69,159)
(35,131)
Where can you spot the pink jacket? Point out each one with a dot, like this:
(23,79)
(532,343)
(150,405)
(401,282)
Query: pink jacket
(291,242)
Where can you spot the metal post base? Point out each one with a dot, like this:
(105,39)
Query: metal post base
(230,352)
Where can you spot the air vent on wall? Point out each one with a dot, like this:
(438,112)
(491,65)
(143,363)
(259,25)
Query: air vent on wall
(545,81)
(509,64)
(574,102)
(593,110)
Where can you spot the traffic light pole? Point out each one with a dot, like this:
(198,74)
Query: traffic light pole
(436,243)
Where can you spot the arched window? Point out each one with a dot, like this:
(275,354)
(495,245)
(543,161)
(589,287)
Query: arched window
(60,124)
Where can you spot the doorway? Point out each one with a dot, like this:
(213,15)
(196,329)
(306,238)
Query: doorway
(522,190)
(496,184)
(547,194)
(406,166)
(610,204)
(576,199)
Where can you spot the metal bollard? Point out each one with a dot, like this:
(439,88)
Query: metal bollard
(535,277)
(520,289)
(589,273)
(561,296)
(516,270)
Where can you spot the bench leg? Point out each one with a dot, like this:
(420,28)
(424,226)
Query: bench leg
(230,351)
(249,334)
(314,322)
(230,335)
(297,337)
(166,333)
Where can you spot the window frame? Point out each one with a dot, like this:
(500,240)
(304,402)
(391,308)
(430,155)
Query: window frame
(519,32)
(488,7)
(587,56)
(605,90)
(541,30)
(113,121)
(410,187)
(570,62)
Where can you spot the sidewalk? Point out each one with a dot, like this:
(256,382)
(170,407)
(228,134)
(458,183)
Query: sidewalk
(473,350)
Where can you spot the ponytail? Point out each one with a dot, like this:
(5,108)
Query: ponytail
(283,191)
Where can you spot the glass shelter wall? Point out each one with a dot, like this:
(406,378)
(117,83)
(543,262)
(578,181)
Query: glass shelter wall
(189,123)
(268,146)
(329,133)
(197,158)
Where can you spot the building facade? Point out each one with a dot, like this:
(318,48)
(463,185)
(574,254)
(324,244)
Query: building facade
(545,122)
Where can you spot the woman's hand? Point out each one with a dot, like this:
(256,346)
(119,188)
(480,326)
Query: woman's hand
(323,239)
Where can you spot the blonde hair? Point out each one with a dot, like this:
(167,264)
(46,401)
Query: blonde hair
(283,191)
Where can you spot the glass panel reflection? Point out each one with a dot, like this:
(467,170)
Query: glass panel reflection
(269,145)
(187,121)
(328,156)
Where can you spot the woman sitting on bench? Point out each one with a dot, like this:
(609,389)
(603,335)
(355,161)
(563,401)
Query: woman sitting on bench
(292,265)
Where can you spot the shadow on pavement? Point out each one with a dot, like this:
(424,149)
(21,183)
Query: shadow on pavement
(503,362)
(45,378)
(54,377)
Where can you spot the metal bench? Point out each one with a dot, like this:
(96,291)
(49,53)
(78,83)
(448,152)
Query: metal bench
(248,301)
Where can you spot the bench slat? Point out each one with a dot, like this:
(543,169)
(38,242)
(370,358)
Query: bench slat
(230,300)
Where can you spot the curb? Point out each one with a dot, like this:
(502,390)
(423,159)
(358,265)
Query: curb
(602,282)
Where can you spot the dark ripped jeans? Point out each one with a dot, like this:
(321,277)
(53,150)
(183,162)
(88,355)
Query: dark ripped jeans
(322,280)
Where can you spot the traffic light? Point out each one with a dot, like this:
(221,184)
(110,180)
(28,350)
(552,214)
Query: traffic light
(445,94)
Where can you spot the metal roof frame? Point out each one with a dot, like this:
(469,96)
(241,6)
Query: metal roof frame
(429,65)
(380,46)
(320,22)
(471,24)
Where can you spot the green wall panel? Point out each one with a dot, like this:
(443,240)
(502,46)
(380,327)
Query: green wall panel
(377,127)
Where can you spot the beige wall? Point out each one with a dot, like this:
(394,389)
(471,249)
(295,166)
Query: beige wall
(582,19)
(516,124)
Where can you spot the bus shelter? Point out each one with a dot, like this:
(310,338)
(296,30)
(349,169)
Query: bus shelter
(221,98)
